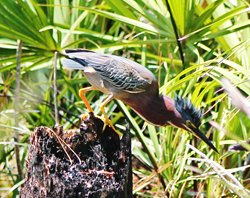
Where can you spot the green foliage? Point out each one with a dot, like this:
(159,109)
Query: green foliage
(214,38)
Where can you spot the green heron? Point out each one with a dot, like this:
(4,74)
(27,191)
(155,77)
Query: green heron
(136,86)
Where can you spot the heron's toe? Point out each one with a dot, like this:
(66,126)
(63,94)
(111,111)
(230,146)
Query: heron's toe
(84,116)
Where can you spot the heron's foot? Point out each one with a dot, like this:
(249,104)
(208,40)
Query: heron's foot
(84,116)
(108,122)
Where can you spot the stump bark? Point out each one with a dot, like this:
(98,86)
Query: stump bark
(88,162)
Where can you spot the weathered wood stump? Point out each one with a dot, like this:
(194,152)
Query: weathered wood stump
(89,162)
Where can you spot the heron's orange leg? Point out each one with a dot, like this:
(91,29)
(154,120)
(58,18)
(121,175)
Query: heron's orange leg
(84,99)
(107,121)
(102,108)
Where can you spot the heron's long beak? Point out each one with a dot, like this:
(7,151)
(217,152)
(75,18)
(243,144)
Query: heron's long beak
(201,136)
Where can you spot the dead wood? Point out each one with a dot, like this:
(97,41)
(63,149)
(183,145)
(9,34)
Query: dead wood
(88,162)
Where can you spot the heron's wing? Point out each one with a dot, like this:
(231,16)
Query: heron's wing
(122,76)
(121,73)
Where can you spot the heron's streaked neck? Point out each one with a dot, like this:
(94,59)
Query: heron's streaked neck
(158,110)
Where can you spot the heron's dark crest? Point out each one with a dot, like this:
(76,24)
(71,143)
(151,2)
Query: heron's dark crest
(188,111)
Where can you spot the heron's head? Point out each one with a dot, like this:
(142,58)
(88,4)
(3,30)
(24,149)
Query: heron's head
(189,118)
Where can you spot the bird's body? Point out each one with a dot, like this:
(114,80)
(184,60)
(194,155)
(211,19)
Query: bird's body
(136,86)
(111,74)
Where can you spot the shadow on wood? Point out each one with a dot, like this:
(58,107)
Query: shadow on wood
(84,163)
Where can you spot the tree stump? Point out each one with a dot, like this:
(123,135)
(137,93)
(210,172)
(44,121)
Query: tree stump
(89,162)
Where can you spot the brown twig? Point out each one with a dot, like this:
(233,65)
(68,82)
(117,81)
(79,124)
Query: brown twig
(55,90)
(64,144)
(16,105)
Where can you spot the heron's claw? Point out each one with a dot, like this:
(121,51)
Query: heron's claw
(84,116)
(107,122)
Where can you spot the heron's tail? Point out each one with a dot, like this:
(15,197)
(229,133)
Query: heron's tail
(71,62)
